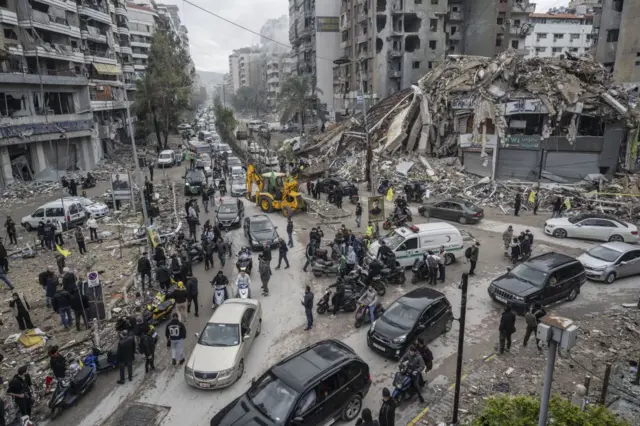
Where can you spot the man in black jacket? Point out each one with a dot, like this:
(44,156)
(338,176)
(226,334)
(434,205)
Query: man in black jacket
(20,389)
(62,305)
(176,332)
(283,249)
(307,302)
(144,268)
(148,344)
(68,280)
(507,328)
(186,270)
(290,232)
(310,254)
(58,363)
(533,318)
(266,253)
(208,246)
(79,303)
(192,294)
(164,277)
(358,214)
(387,415)
(126,354)
(159,257)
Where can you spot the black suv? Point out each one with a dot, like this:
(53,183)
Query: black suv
(422,312)
(323,382)
(194,180)
(547,278)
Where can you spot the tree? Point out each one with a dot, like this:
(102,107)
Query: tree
(225,121)
(166,86)
(523,411)
(299,96)
(249,99)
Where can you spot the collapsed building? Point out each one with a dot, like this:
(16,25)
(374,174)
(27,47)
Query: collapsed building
(539,119)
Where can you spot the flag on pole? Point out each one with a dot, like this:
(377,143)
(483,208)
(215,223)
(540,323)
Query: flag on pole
(390,194)
(62,251)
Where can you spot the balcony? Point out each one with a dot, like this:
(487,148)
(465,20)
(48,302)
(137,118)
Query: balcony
(139,67)
(44,22)
(108,105)
(395,53)
(116,47)
(75,125)
(344,44)
(95,12)
(8,17)
(121,9)
(123,29)
(345,24)
(140,44)
(126,49)
(52,52)
(62,4)
(130,86)
(273,80)
(523,7)
(53,77)
(362,38)
(128,68)
(140,55)
(456,16)
(94,34)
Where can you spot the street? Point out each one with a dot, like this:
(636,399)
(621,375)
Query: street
(164,398)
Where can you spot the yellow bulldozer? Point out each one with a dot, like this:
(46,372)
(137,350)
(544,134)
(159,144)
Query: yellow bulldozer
(275,191)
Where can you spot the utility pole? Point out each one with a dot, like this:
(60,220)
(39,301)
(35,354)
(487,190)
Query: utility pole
(366,130)
(464,284)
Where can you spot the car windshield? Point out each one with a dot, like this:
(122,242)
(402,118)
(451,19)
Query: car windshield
(194,176)
(273,398)
(393,240)
(165,156)
(228,208)
(237,183)
(220,335)
(604,253)
(529,274)
(261,226)
(401,315)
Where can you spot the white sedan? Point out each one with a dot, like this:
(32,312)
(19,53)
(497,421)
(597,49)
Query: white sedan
(218,359)
(592,227)
(184,126)
(95,208)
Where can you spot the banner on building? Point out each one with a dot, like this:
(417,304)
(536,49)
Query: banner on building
(121,186)
(469,140)
(328,24)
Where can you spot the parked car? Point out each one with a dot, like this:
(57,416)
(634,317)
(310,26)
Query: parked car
(546,279)
(610,261)
(347,187)
(423,312)
(230,213)
(95,208)
(184,126)
(167,158)
(238,188)
(287,393)
(70,215)
(592,226)
(453,209)
(218,359)
(193,182)
(259,229)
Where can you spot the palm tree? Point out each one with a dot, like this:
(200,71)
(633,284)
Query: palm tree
(298,96)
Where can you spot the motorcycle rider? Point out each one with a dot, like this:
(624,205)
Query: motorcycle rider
(383,252)
(338,297)
(415,365)
(425,352)
(244,255)
(220,280)
(243,278)
(370,300)
(374,270)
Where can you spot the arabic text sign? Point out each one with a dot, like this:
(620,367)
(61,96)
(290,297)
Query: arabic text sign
(468,140)
(328,24)
(525,106)
(462,103)
(521,141)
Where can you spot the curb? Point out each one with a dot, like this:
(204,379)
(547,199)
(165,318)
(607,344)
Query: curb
(425,411)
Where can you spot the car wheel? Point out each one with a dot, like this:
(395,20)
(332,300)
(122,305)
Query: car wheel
(572,296)
(352,408)
(240,369)
(462,220)
(449,259)
(259,330)
(28,227)
(449,325)
(560,233)
(611,277)
(616,238)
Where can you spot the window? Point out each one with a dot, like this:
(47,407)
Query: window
(306,403)
(618,5)
(630,256)
(54,212)
(541,35)
(573,37)
(415,65)
(453,29)
(433,44)
(573,49)
(410,244)
(433,25)
(612,36)
(605,223)
(556,49)
(558,37)
(498,41)
(500,20)
(417,1)
(10,104)
(515,44)
(430,64)
(541,49)
(38,213)
(516,23)
(434,2)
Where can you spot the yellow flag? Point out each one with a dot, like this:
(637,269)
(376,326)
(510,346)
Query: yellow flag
(62,251)
(532,196)
(390,194)
(567,204)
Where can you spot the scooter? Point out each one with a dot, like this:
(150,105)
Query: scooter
(402,387)
(246,263)
(104,361)
(360,275)
(321,268)
(362,314)
(244,292)
(195,252)
(219,295)
(349,301)
(393,276)
(160,307)
(420,271)
(68,391)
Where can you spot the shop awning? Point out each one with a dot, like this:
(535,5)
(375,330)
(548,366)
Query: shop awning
(106,69)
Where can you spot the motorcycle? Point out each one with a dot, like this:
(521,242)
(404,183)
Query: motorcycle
(219,294)
(246,263)
(68,391)
(420,271)
(321,268)
(354,198)
(362,314)
(223,190)
(87,183)
(384,186)
(395,221)
(323,254)
(195,251)
(349,301)
(104,361)
(393,276)
(360,275)
(403,389)
(244,292)
(160,307)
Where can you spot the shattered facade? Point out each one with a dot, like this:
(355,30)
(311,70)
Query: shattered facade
(556,33)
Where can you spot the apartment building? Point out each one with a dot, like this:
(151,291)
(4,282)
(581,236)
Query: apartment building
(555,34)
(247,67)
(618,39)
(314,34)
(387,45)
(274,63)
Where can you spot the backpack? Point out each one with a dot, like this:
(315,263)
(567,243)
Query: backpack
(467,253)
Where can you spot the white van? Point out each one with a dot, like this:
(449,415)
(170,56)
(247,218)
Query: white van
(411,242)
(63,212)
(167,158)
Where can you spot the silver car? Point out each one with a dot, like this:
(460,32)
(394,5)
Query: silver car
(218,358)
(609,261)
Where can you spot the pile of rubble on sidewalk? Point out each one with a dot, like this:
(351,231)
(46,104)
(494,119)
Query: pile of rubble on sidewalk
(610,337)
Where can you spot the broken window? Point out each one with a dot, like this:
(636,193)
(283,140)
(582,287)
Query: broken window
(454,8)
(612,36)
(434,2)
(412,23)
(12,104)
(433,25)
(412,43)
(618,5)
(453,29)
(525,124)
(515,44)
(379,45)
(381,22)
(59,102)
(345,36)
(433,44)
(417,1)
(573,49)
(590,126)
(500,20)
(430,65)
(381,5)
(557,36)
(415,65)
(516,22)
(555,50)
(498,41)
(574,36)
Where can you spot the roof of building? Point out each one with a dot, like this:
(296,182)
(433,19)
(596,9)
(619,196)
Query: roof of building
(559,16)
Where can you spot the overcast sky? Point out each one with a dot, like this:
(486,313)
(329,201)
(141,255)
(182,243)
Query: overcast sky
(212,39)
